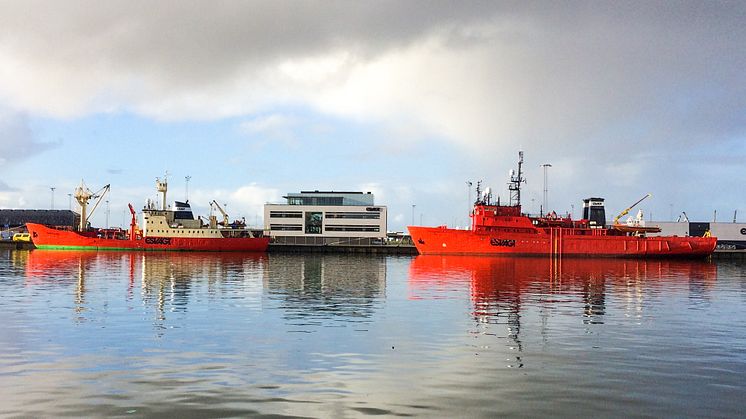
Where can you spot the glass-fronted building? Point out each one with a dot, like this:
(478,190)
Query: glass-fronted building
(326,217)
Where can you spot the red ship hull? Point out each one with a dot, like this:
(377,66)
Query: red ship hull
(556,241)
(44,237)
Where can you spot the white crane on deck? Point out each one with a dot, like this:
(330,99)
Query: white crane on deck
(83,195)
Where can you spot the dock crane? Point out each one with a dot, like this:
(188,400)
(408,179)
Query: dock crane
(628,209)
(83,195)
(225,215)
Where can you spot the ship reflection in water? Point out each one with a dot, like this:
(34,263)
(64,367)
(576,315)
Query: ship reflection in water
(499,287)
(165,279)
(98,334)
(309,286)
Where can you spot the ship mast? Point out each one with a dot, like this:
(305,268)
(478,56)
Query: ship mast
(162,187)
(515,182)
(83,195)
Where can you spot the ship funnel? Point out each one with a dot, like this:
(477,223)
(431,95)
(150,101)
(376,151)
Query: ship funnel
(594,212)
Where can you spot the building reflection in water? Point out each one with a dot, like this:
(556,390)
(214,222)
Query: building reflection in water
(499,286)
(316,287)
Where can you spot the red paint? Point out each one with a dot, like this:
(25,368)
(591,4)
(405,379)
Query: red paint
(504,230)
(43,236)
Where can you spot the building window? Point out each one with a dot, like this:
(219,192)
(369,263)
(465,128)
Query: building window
(375,229)
(354,215)
(313,222)
(285,227)
(285,214)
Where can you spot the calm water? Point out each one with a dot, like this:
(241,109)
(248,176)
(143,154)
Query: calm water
(217,335)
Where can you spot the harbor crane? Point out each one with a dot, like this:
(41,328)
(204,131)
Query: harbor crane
(83,195)
(225,214)
(628,209)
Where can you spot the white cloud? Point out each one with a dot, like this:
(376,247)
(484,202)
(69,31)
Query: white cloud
(244,201)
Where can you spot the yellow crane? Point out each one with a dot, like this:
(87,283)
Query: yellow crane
(628,209)
(225,215)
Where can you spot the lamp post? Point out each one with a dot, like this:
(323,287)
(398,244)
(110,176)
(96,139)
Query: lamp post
(186,195)
(52,188)
(413,205)
(70,201)
(468,201)
(545,202)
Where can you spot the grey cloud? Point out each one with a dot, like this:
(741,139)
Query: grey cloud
(601,75)
(187,42)
(17,141)
(5,188)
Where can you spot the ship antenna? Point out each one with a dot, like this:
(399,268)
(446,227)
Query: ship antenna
(479,186)
(515,182)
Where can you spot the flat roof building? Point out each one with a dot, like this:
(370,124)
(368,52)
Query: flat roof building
(14,218)
(325,218)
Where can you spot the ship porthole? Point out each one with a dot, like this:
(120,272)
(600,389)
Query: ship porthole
(444,245)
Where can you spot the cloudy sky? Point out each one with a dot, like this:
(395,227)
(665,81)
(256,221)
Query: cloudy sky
(408,100)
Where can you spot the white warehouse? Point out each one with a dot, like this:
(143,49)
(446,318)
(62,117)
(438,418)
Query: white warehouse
(326,218)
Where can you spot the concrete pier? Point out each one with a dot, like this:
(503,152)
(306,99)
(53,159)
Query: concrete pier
(362,249)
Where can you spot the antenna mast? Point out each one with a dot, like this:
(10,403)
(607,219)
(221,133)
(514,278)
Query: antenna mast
(515,182)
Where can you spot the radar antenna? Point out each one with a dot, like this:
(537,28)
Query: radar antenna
(516,178)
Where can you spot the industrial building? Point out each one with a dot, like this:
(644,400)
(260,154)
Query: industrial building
(731,236)
(326,218)
(14,220)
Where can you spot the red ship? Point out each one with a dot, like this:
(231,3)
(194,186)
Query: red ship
(504,229)
(173,228)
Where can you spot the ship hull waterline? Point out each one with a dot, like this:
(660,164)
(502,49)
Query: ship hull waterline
(556,242)
(44,237)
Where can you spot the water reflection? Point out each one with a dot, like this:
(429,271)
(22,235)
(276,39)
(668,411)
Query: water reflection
(166,278)
(227,335)
(500,288)
(316,287)
(496,280)
(310,287)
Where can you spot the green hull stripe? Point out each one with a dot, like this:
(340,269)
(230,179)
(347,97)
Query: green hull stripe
(52,246)
(132,249)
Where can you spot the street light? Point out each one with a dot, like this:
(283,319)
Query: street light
(52,188)
(545,202)
(468,203)
(187,187)
(413,205)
